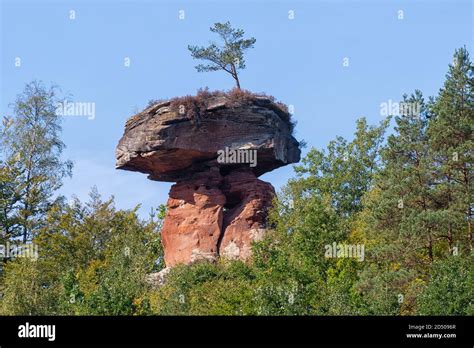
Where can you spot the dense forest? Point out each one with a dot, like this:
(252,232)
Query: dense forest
(401,191)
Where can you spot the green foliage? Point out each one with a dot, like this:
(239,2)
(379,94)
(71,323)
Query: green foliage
(31,159)
(26,291)
(452,145)
(419,213)
(450,290)
(229,57)
(9,199)
(92,259)
(343,175)
(207,289)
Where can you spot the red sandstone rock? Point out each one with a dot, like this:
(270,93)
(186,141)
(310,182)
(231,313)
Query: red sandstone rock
(215,216)
(248,201)
(193,223)
(215,208)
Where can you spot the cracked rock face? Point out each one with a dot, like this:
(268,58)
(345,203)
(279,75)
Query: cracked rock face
(170,146)
(211,215)
(217,206)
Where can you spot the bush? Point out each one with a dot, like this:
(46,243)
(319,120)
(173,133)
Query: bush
(450,290)
(93,260)
(195,106)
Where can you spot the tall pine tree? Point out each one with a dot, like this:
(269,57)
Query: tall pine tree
(452,145)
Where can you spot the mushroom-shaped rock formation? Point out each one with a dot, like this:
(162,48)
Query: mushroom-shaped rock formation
(213,146)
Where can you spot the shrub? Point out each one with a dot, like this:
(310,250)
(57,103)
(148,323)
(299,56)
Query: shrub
(195,106)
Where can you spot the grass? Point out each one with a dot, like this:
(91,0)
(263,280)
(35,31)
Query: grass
(194,106)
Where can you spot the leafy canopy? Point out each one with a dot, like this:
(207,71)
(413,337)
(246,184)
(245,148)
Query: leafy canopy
(228,57)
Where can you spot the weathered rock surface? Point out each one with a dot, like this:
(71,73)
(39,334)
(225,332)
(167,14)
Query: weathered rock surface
(193,223)
(216,208)
(170,146)
(157,279)
(248,200)
(212,215)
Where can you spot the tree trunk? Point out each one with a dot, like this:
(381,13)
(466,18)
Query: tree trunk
(237,81)
(430,248)
(235,76)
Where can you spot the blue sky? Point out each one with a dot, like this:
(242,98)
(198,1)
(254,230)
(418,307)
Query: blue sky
(299,61)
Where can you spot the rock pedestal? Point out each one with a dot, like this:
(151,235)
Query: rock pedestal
(217,206)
